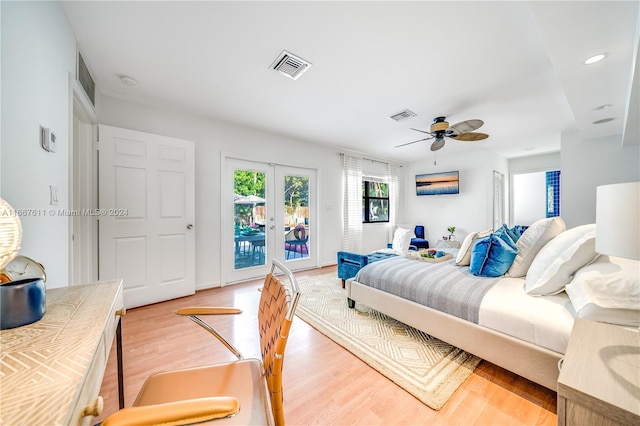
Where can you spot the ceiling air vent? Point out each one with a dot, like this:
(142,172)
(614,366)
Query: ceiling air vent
(403,115)
(290,65)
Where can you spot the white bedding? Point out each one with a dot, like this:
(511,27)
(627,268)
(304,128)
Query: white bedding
(542,320)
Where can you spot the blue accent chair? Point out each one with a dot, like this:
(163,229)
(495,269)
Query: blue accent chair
(419,240)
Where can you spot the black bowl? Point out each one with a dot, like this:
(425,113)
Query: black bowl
(22,302)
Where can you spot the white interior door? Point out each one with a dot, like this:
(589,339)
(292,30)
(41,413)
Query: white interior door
(146,214)
(261,205)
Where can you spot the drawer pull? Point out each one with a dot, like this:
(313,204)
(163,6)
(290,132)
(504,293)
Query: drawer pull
(95,409)
(560,362)
(121,312)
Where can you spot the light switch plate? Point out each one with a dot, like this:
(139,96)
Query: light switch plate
(53,195)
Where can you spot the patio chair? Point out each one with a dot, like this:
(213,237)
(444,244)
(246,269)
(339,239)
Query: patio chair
(246,391)
(296,241)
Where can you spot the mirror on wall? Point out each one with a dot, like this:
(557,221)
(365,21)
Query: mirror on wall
(534,195)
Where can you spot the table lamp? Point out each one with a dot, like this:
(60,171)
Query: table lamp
(21,301)
(10,233)
(618,220)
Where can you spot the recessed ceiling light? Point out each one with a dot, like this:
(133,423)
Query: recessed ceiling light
(604,120)
(601,107)
(128,81)
(594,59)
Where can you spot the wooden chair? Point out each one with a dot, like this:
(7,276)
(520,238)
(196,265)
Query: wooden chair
(245,392)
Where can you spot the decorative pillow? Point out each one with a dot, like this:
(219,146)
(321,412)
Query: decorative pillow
(464,254)
(519,230)
(559,259)
(401,239)
(532,240)
(607,290)
(491,256)
(503,232)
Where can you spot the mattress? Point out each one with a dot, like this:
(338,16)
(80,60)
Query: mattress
(545,321)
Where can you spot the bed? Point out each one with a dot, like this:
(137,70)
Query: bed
(529,345)
(519,319)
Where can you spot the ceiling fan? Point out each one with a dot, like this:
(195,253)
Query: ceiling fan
(440,129)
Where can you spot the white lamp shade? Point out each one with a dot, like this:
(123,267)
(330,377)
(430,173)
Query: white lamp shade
(618,220)
(10,233)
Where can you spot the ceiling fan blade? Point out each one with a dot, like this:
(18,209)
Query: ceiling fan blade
(437,144)
(409,143)
(470,137)
(422,131)
(465,126)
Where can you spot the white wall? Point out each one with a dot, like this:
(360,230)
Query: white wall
(587,164)
(38,55)
(212,140)
(469,211)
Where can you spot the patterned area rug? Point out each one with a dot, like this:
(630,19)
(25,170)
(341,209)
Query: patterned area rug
(424,366)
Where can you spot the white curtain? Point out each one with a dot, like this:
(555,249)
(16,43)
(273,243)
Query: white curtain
(498,199)
(394,199)
(352,204)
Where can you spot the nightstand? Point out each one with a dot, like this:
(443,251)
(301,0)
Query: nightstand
(599,382)
(444,244)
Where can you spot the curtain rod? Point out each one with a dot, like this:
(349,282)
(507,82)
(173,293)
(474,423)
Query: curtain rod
(342,154)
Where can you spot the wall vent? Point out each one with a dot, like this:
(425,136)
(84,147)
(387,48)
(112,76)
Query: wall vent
(290,65)
(86,81)
(403,115)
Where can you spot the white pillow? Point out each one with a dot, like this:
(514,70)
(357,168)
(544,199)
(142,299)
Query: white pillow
(401,240)
(464,255)
(559,259)
(607,290)
(531,241)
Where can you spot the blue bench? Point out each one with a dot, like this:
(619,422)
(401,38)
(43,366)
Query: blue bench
(350,263)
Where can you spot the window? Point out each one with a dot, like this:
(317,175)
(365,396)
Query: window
(375,201)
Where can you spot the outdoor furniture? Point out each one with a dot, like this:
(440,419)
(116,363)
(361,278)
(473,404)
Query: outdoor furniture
(296,241)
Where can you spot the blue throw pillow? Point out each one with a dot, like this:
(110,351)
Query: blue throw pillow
(492,256)
(506,234)
(512,232)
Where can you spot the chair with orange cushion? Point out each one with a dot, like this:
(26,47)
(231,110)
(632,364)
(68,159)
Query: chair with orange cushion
(243,392)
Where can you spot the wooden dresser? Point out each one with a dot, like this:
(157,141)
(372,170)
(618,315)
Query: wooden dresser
(599,381)
(51,370)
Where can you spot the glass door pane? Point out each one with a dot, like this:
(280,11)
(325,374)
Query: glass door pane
(296,217)
(249,198)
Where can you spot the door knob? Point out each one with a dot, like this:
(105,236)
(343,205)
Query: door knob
(189,226)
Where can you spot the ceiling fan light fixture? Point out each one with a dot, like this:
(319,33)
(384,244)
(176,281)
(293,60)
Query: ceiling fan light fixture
(439,126)
(595,58)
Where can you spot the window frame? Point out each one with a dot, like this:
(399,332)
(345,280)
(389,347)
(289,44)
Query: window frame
(366,201)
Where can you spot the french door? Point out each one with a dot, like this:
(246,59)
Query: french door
(268,211)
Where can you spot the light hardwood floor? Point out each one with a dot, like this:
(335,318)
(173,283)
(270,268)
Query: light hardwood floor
(323,383)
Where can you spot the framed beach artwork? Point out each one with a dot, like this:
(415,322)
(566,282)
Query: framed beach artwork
(438,183)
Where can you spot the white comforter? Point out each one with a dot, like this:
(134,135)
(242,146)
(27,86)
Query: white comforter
(542,320)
